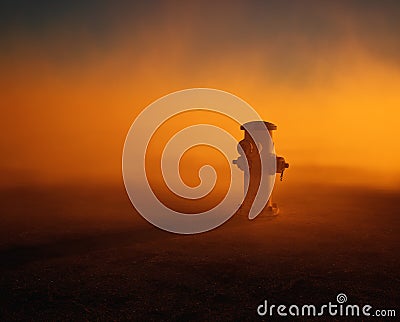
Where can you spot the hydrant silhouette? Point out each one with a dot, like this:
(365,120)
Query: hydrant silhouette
(251,151)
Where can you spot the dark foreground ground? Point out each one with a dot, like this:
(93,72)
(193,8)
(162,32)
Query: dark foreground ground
(78,253)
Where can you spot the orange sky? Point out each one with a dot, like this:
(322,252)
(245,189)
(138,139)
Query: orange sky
(70,91)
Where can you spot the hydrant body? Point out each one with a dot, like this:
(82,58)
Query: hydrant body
(251,151)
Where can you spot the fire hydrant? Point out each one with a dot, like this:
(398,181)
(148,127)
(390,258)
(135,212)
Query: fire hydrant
(250,151)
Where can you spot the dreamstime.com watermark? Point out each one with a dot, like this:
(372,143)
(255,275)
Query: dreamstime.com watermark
(329,309)
(161,111)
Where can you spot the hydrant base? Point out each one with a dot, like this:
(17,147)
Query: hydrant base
(269,211)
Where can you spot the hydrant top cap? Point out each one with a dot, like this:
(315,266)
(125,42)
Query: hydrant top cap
(258,125)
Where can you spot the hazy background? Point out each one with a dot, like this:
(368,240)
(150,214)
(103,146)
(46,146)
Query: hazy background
(74,76)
